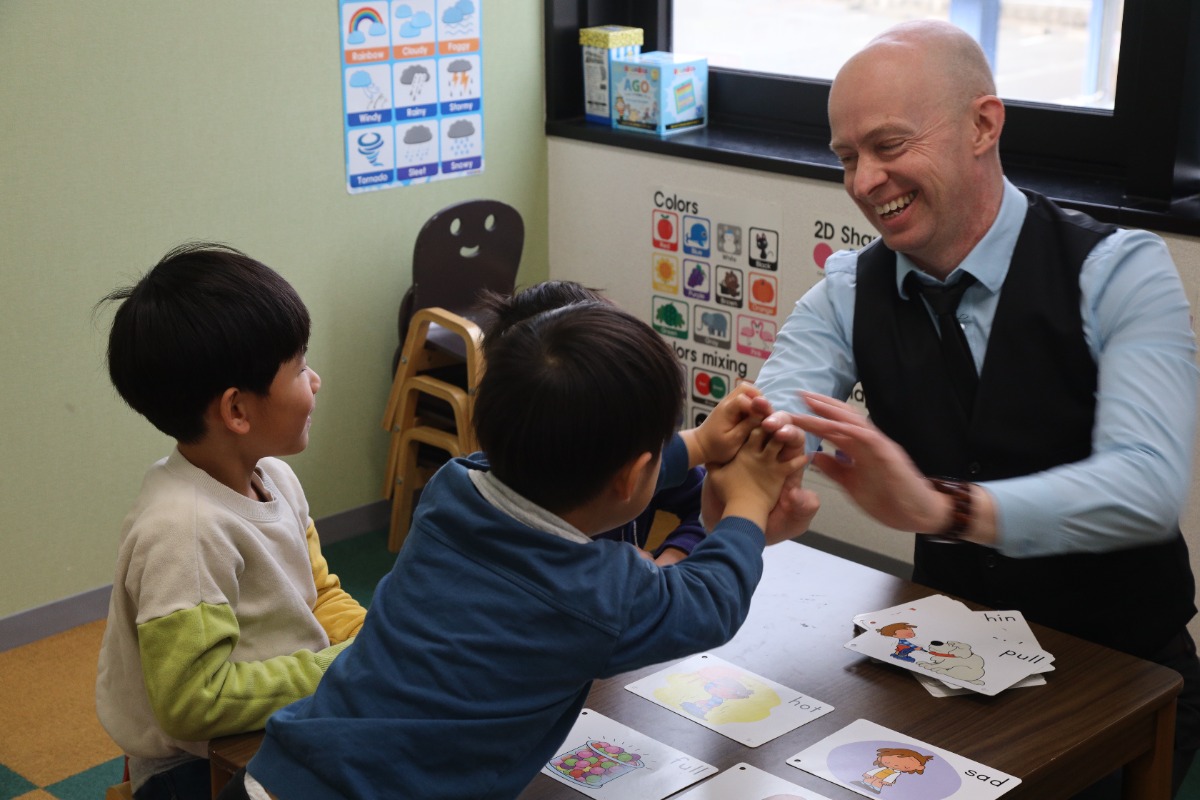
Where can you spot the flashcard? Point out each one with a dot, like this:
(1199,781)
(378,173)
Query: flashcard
(935,636)
(747,708)
(933,604)
(599,751)
(960,652)
(872,760)
(744,782)
(939,688)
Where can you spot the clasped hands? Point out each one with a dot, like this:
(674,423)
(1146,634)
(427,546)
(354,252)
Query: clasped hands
(746,419)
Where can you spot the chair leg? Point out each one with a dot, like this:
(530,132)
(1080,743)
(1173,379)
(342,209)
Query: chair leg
(412,477)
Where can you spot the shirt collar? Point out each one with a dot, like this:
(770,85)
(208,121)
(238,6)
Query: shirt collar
(520,509)
(988,261)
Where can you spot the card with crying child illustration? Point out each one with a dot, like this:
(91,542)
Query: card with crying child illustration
(875,761)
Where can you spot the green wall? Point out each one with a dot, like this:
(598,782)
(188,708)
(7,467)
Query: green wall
(131,126)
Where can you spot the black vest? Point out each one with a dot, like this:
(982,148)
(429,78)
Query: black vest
(1034,410)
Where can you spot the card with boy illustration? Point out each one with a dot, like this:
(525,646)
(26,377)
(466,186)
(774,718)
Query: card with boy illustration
(946,641)
(875,761)
(734,702)
(745,782)
(600,753)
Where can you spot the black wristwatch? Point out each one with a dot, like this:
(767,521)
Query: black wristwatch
(960,520)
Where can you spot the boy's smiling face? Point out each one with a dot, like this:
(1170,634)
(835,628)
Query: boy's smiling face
(282,418)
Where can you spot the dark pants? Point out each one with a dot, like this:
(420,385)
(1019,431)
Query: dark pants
(190,780)
(1179,655)
(236,788)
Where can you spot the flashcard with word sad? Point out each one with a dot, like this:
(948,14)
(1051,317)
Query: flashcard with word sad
(600,753)
(744,782)
(875,761)
(747,708)
(947,641)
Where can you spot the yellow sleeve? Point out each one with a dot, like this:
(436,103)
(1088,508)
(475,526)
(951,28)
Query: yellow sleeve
(339,614)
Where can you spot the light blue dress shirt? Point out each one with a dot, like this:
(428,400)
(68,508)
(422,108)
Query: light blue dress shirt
(1137,324)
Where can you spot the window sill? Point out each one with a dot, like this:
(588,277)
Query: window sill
(788,154)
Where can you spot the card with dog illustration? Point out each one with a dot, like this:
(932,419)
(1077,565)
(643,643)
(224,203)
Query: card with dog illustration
(712,692)
(744,782)
(599,751)
(875,761)
(961,649)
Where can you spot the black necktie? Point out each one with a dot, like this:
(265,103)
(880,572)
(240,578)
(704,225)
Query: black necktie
(955,351)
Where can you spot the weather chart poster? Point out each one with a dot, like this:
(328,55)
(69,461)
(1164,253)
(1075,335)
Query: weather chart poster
(412,89)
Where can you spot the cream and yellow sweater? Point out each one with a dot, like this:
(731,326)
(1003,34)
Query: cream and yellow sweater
(223,610)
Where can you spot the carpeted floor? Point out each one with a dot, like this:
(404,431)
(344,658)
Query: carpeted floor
(52,746)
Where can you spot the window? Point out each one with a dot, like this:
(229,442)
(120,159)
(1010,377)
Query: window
(1061,52)
(1137,163)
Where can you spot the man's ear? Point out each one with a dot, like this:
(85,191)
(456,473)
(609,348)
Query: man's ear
(989,122)
(627,479)
(231,411)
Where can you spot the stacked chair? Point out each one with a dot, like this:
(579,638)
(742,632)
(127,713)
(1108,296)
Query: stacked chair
(460,252)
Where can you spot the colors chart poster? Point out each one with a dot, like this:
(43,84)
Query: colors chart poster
(412,89)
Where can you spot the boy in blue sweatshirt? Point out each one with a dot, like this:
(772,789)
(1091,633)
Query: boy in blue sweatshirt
(482,643)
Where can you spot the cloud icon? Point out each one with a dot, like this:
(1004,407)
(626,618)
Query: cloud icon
(360,79)
(417,134)
(356,37)
(460,129)
(459,65)
(410,74)
(377,29)
(422,19)
(409,31)
(403,11)
(452,16)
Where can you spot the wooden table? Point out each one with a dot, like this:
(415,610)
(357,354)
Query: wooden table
(228,754)
(1099,709)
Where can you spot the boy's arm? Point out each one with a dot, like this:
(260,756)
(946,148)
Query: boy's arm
(702,601)
(339,614)
(197,692)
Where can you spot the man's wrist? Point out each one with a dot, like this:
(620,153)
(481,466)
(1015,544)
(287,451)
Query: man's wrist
(962,509)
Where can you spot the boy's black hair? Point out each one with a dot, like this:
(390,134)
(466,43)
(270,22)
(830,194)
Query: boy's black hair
(206,318)
(571,395)
(504,311)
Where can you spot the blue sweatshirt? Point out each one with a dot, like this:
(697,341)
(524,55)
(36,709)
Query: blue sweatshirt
(481,645)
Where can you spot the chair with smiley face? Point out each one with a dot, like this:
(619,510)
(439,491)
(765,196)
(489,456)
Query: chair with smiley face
(460,252)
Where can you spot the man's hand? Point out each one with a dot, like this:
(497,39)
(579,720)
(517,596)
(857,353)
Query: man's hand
(874,470)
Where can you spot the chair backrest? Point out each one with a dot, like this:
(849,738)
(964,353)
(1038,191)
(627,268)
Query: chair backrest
(461,251)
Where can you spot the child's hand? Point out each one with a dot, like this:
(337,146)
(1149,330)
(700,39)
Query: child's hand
(723,431)
(751,483)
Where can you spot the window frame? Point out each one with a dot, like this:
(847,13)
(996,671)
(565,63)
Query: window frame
(1137,166)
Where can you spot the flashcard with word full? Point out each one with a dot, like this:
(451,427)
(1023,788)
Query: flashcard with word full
(744,782)
(873,761)
(599,751)
(747,708)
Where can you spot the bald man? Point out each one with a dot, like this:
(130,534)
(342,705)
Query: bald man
(1054,406)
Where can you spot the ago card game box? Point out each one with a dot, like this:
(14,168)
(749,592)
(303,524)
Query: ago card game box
(660,92)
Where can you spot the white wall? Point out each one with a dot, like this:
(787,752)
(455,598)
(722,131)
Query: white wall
(599,201)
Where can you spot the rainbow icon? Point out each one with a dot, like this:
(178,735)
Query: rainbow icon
(375,25)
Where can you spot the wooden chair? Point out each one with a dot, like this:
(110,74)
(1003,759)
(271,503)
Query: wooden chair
(414,428)
(460,251)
